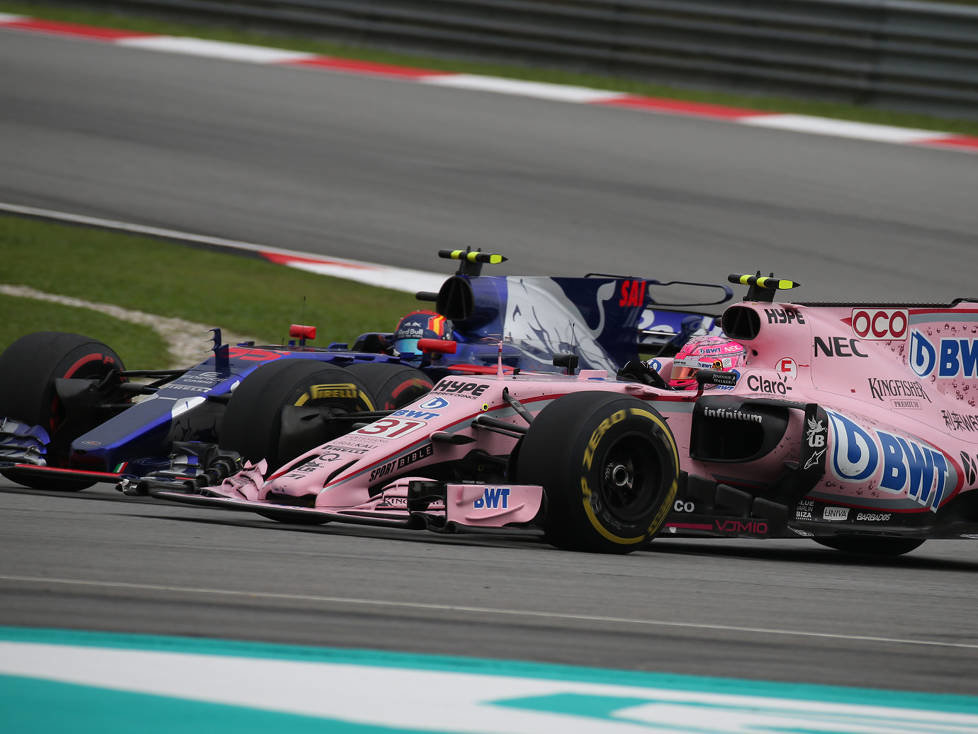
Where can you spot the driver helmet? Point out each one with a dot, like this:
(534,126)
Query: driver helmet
(705,353)
(419,325)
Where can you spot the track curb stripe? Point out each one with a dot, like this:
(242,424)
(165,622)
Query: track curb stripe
(473,82)
(405,280)
(215,49)
(57,28)
(682,107)
(365,68)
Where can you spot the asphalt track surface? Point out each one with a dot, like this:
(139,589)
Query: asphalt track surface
(771,610)
(390,171)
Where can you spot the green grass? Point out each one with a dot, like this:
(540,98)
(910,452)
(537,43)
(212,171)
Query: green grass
(137,345)
(152,24)
(245,295)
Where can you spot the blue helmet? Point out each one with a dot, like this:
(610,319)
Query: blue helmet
(419,325)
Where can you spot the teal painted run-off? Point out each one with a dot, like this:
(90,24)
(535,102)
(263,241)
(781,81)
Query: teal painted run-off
(32,706)
(50,700)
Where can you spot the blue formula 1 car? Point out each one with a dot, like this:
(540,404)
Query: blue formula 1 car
(71,414)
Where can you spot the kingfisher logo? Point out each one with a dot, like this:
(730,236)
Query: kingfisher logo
(901,465)
(949,358)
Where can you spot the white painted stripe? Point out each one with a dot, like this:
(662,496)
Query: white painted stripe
(7,18)
(398,279)
(842,128)
(472,702)
(187,342)
(539,90)
(510,613)
(215,49)
(401,279)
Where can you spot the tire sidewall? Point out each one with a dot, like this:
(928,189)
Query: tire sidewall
(566,453)
(252,422)
(29,367)
(28,370)
(391,385)
(600,434)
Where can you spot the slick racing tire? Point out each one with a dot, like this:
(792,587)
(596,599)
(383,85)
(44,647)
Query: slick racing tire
(274,414)
(28,370)
(868,545)
(609,468)
(391,385)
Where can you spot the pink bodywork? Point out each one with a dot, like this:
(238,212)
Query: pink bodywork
(897,384)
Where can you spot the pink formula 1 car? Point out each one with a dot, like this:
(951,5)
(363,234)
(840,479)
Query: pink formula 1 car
(854,425)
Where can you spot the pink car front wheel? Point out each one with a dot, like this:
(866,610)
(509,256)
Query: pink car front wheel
(609,468)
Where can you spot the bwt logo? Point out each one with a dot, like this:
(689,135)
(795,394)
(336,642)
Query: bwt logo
(950,358)
(908,467)
(434,404)
(419,414)
(493,498)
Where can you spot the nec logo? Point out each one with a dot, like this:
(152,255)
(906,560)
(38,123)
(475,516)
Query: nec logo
(880,324)
(838,346)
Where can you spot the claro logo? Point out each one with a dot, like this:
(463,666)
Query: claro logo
(880,324)
(756,383)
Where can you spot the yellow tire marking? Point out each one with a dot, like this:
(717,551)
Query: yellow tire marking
(664,508)
(617,417)
(342,390)
(592,445)
(596,524)
(665,431)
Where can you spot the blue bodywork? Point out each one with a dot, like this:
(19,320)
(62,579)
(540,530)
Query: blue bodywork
(604,320)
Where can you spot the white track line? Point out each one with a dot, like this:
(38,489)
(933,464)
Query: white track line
(352,601)
(216,49)
(538,90)
(841,128)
